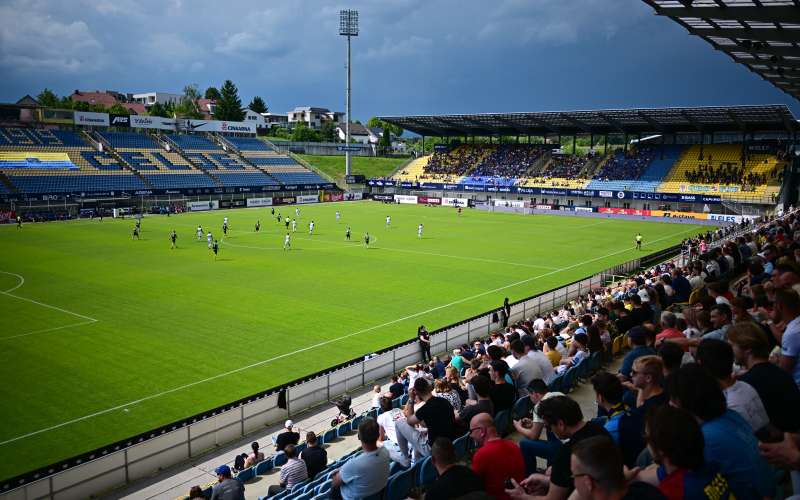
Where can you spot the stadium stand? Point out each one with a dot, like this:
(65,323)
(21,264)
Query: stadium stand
(59,161)
(642,170)
(280,168)
(596,332)
(414,171)
(563,170)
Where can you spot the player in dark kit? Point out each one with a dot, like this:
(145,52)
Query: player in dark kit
(19,222)
(215,249)
(136,232)
(225,229)
(638,241)
(347,234)
(273,210)
(173,236)
(366,239)
(139,226)
(258,225)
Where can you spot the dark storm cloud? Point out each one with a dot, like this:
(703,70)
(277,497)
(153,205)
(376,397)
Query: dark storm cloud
(412,56)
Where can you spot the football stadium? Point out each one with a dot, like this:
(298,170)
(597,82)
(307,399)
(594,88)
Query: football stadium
(205,299)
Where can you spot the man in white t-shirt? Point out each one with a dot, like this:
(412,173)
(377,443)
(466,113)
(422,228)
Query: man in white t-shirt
(540,358)
(538,323)
(526,370)
(716,356)
(388,435)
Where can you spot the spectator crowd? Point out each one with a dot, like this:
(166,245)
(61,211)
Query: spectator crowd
(626,166)
(705,402)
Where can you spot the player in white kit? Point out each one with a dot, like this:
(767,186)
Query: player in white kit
(287,242)
(388,220)
(297,212)
(209,239)
(419,231)
(311,227)
(199,233)
(294,225)
(338,216)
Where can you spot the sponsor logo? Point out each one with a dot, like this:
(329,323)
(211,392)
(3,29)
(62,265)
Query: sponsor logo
(234,128)
(605,194)
(620,194)
(87,119)
(120,120)
(194,126)
(142,193)
(142,121)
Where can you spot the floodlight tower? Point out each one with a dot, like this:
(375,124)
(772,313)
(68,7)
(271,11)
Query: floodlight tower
(348,26)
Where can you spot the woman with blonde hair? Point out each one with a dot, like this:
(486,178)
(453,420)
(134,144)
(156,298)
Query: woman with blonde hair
(442,389)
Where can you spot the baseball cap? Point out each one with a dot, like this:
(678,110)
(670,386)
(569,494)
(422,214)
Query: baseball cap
(223,470)
(288,423)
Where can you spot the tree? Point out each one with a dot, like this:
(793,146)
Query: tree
(385,142)
(187,107)
(301,133)
(48,99)
(212,93)
(158,109)
(395,130)
(229,106)
(258,105)
(327,131)
(119,109)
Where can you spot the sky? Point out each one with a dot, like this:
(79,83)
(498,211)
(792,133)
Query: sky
(411,56)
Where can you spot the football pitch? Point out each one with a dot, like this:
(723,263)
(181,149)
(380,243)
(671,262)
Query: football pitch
(104,337)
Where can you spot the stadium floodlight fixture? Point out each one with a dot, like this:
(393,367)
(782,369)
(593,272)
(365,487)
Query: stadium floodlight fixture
(348,26)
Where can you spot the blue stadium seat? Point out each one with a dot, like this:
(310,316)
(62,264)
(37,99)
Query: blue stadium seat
(280,459)
(109,163)
(521,408)
(264,466)
(130,140)
(399,485)
(35,184)
(502,421)
(246,474)
(137,160)
(244,179)
(462,445)
(329,435)
(177,181)
(273,160)
(427,472)
(186,141)
(248,144)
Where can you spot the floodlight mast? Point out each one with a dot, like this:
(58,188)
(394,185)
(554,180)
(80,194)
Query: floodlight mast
(348,26)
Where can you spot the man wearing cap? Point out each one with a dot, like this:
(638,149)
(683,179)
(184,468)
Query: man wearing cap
(227,488)
(287,437)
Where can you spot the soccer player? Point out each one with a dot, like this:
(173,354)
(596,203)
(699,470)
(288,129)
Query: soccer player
(419,231)
(338,216)
(139,225)
(136,232)
(287,222)
(273,210)
(258,225)
(638,241)
(225,221)
(199,233)
(311,227)
(225,227)
(287,242)
(388,220)
(366,239)
(297,212)
(215,249)
(173,236)
(459,211)
(19,222)
(210,240)
(280,218)
(294,225)
(347,234)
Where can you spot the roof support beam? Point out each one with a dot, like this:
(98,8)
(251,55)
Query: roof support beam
(735,118)
(612,122)
(658,126)
(516,126)
(581,125)
(543,124)
(691,120)
(786,14)
(761,34)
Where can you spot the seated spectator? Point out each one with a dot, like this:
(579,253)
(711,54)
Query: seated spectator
(254,457)
(288,436)
(608,394)
(525,370)
(397,388)
(563,416)
(483,404)
(376,396)
(637,338)
(599,474)
(227,488)
(294,471)
(579,343)
(387,431)
(458,361)
(787,314)
(531,350)
(455,480)
(497,459)
(531,429)
(436,413)
(671,355)
(367,473)
(775,387)
(680,470)
(716,356)
(315,456)
(196,493)
(551,351)
(668,328)
(646,386)
(502,394)
(442,389)
(729,440)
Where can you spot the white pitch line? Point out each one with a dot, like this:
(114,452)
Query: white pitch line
(329,341)
(19,277)
(46,330)
(22,281)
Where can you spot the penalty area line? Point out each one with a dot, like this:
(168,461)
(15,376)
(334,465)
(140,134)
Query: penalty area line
(326,342)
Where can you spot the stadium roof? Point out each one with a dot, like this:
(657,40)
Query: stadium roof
(611,121)
(763,35)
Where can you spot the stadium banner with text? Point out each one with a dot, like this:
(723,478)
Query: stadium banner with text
(402,198)
(707,188)
(731,218)
(156,122)
(307,198)
(352,196)
(678,215)
(584,209)
(197,206)
(383,197)
(509,203)
(283,200)
(544,207)
(89,119)
(333,197)
(259,202)
(455,202)
(219,126)
(120,120)
(30,159)
(424,200)
(624,211)
(580,193)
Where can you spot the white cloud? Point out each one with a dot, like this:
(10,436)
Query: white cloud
(33,41)
(390,48)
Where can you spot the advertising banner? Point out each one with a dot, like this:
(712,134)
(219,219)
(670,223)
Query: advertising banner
(731,218)
(259,202)
(678,215)
(285,200)
(424,200)
(383,197)
(509,203)
(624,211)
(196,206)
(307,198)
(354,196)
(543,207)
(156,122)
(401,198)
(219,126)
(88,119)
(455,202)
(584,209)
(120,121)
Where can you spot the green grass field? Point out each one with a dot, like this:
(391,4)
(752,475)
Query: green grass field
(104,337)
(364,165)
